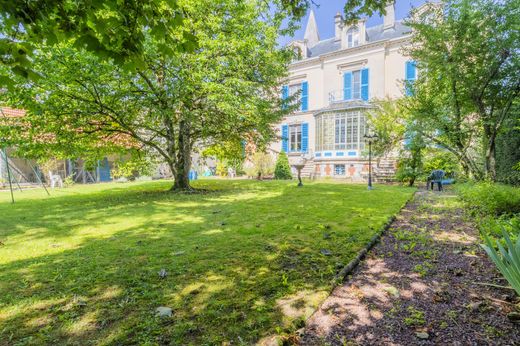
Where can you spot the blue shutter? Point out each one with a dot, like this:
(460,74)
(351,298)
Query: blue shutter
(347,86)
(285,138)
(305,137)
(410,70)
(364,84)
(305,96)
(410,75)
(285,92)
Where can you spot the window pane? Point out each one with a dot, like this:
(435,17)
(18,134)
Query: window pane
(294,89)
(356,84)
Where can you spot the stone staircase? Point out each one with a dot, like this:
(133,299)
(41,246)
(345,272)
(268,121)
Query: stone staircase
(308,171)
(385,170)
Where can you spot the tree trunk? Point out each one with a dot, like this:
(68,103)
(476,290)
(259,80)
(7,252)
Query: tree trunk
(490,163)
(181,166)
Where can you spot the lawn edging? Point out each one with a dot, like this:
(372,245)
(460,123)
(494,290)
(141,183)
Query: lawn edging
(349,268)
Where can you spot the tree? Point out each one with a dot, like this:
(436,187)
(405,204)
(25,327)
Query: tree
(466,52)
(118,29)
(282,170)
(388,121)
(115,29)
(227,89)
(260,166)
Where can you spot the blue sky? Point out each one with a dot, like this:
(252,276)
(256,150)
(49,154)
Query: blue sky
(327,9)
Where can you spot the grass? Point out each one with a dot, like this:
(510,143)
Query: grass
(244,262)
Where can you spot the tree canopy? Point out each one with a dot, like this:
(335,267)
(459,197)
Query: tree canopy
(468,86)
(118,29)
(224,90)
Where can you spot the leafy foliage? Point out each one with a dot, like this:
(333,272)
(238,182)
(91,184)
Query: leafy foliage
(441,159)
(228,153)
(282,169)
(388,121)
(493,199)
(508,154)
(135,167)
(261,165)
(112,29)
(226,90)
(507,259)
(466,89)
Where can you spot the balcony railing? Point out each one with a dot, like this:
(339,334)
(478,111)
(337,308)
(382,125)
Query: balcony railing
(336,96)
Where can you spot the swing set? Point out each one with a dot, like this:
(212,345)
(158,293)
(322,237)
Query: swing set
(11,178)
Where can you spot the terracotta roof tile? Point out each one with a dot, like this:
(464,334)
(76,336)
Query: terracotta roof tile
(11,112)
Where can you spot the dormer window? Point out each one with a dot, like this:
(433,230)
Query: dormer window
(353,37)
(297,54)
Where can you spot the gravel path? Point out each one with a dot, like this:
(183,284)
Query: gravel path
(421,285)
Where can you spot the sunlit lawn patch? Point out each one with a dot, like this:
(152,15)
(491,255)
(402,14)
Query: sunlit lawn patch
(243,262)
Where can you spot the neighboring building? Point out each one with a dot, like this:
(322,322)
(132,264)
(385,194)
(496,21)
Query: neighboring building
(25,171)
(337,77)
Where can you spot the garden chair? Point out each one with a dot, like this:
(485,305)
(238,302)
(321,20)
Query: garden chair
(436,176)
(55,179)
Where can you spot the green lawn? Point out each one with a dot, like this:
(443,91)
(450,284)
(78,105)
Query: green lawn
(244,262)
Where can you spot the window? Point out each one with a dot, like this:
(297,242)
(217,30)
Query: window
(302,92)
(340,131)
(295,137)
(353,37)
(294,89)
(339,169)
(356,85)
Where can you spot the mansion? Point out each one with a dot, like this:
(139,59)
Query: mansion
(335,80)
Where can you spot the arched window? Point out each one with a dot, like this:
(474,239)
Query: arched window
(353,37)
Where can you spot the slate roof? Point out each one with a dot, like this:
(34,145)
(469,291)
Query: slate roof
(374,33)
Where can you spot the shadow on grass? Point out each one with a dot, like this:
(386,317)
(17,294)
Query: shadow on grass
(84,268)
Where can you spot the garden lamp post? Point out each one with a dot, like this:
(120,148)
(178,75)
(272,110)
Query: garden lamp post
(370,137)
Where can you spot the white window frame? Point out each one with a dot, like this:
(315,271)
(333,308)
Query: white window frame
(295,138)
(353,37)
(340,131)
(344,169)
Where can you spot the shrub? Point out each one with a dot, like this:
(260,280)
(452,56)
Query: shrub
(221,169)
(69,180)
(260,166)
(408,170)
(441,159)
(491,198)
(133,168)
(282,169)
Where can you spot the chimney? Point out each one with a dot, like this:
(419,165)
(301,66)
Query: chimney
(389,17)
(338,26)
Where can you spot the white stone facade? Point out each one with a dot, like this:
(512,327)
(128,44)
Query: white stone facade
(339,78)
